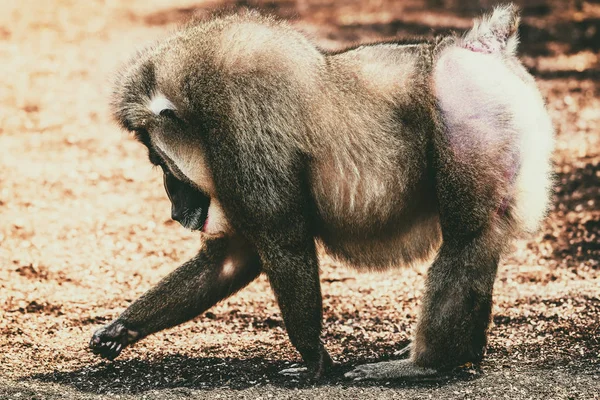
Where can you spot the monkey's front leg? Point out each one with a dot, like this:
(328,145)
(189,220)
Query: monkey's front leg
(294,276)
(222,267)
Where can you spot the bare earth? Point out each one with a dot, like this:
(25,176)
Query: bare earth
(85,229)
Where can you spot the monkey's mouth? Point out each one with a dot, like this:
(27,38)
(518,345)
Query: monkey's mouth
(197,218)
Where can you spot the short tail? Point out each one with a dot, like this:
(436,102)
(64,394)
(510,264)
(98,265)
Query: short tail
(495,32)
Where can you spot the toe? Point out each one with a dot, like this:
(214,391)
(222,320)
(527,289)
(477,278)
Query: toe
(109,341)
(354,374)
(399,369)
(404,352)
(294,371)
(358,373)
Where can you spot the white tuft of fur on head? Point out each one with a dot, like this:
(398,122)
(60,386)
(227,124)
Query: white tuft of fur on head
(158,102)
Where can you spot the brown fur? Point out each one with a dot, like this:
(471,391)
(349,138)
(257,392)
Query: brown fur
(386,153)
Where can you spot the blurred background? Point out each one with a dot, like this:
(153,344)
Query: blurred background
(85,228)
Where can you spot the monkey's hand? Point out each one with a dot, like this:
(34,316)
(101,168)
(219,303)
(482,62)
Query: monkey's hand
(314,371)
(399,369)
(111,339)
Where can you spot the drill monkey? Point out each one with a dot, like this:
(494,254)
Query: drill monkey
(386,153)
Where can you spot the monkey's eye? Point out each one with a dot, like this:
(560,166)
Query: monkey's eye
(168,113)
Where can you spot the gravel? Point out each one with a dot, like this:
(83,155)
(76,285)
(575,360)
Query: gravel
(85,229)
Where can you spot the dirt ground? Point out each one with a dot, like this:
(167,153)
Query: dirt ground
(85,228)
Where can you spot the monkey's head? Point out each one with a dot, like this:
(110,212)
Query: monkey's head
(188,95)
(162,126)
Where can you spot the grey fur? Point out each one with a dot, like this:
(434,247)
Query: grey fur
(363,150)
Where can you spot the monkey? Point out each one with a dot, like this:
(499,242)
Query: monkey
(386,154)
(189,206)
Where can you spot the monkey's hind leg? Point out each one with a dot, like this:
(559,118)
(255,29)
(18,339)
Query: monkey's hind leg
(222,267)
(478,161)
(456,308)
(455,313)
(474,185)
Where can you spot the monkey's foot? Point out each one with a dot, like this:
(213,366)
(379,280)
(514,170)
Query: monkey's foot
(304,373)
(294,371)
(314,370)
(111,339)
(404,352)
(400,369)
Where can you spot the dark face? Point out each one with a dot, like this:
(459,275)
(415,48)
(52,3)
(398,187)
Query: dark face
(189,206)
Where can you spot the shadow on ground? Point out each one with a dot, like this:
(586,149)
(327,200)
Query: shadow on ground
(546,337)
(577,340)
(177,371)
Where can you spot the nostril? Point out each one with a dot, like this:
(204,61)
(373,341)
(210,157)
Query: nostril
(176,214)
